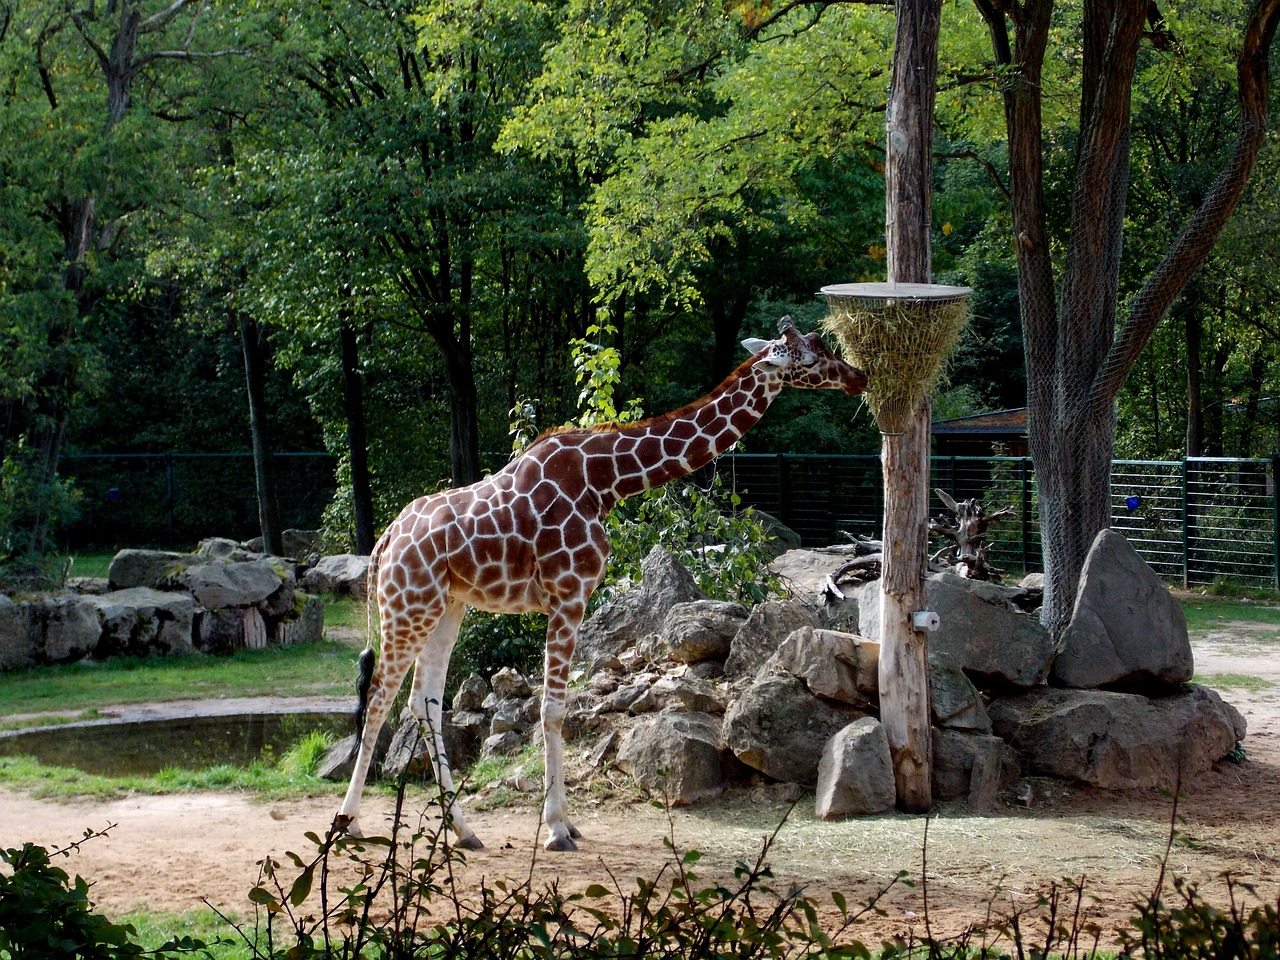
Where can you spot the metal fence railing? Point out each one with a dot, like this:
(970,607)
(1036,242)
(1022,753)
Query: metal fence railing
(1194,521)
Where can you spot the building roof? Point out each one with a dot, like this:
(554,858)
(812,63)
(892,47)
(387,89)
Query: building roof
(997,423)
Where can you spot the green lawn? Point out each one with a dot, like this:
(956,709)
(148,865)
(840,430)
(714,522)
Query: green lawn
(324,668)
(1208,613)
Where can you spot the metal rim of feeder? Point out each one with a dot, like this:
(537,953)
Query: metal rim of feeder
(901,335)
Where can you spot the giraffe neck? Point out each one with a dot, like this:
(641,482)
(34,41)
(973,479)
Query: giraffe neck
(652,452)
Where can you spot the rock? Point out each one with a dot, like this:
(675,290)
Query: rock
(340,759)
(510,715)
(18,643)
(344,575)
(144,568)
(217,586)
(835,665)
(69,627)
(779,728)
(307,626)
(674,754)
(758,639)
(698,630)
(972,766)
(140,621)
(407,754)
(1118,740)
(855,773)
(222,548)
(1127,629)
(471,693)
(994,643)
(638,612)
(93,586)
(510,684)
(804,572)
(219,631)
(501,743)
(689,695)
(954,701)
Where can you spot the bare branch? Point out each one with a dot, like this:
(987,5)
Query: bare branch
(162,19)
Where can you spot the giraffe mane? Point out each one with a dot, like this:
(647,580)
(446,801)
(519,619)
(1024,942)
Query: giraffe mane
(648,422)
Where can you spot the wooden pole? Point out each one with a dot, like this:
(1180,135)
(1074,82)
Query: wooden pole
(904,679)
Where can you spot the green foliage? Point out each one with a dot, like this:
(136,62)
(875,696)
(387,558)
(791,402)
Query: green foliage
(1196,928)
(671,915)
(725,549)
(487,642)
(46,915)
(598,371)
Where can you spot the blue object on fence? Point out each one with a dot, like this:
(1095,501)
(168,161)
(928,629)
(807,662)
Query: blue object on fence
(114,495)
(1133,501)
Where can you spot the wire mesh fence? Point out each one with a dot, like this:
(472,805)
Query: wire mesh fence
(178,499)
(1194,521)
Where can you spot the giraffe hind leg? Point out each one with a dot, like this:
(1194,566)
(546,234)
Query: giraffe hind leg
(426,703)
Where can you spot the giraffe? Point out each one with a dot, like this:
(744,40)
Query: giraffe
(531,537)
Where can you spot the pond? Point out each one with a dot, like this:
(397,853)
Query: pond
(120,748)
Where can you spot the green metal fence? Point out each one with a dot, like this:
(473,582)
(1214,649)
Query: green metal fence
(1194,521)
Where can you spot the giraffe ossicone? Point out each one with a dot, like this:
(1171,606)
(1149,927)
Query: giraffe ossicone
(531,537)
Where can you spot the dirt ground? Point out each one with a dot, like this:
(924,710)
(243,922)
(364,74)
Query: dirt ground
(170,852)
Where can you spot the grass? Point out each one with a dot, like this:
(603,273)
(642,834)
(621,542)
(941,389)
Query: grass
(324,668)
(293,775)
(1209,613)
(1233,681)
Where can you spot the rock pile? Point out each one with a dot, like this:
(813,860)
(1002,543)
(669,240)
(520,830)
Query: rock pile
(218,599)
(688,695)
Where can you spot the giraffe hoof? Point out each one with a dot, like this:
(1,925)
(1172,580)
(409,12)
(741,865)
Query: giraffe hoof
(574,832)
(470,843)
(561,844)
(348,825)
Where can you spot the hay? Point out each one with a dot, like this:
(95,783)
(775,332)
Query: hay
(901,344)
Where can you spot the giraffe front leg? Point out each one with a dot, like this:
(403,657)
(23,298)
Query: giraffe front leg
(562,634)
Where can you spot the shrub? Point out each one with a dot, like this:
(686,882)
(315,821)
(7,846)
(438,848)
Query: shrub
(46,914)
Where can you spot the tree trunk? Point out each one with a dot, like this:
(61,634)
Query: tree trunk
(357,439)
(904,679)
(253,343)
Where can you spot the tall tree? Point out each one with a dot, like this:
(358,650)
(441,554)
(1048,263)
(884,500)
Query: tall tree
(79,174)
(1079,347)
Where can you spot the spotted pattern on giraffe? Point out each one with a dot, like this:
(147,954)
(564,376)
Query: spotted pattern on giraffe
(532,537)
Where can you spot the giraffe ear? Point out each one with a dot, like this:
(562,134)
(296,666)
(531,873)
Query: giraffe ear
(754,345)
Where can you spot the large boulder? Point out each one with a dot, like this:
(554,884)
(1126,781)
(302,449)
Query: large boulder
(697,631)
(954,702)
(307,623)
(758,639)
(835,665)
(140,621)
(779,728)
(996,644)
(144,568)
(972,767)
(638,612)
(343,575)
(855,773)
(18,640)
(218,585)
(1118,740)
(1126,630)
(69,628)
(677,755)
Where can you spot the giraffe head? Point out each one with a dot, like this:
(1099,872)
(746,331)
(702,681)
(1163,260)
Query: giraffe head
(805,361)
